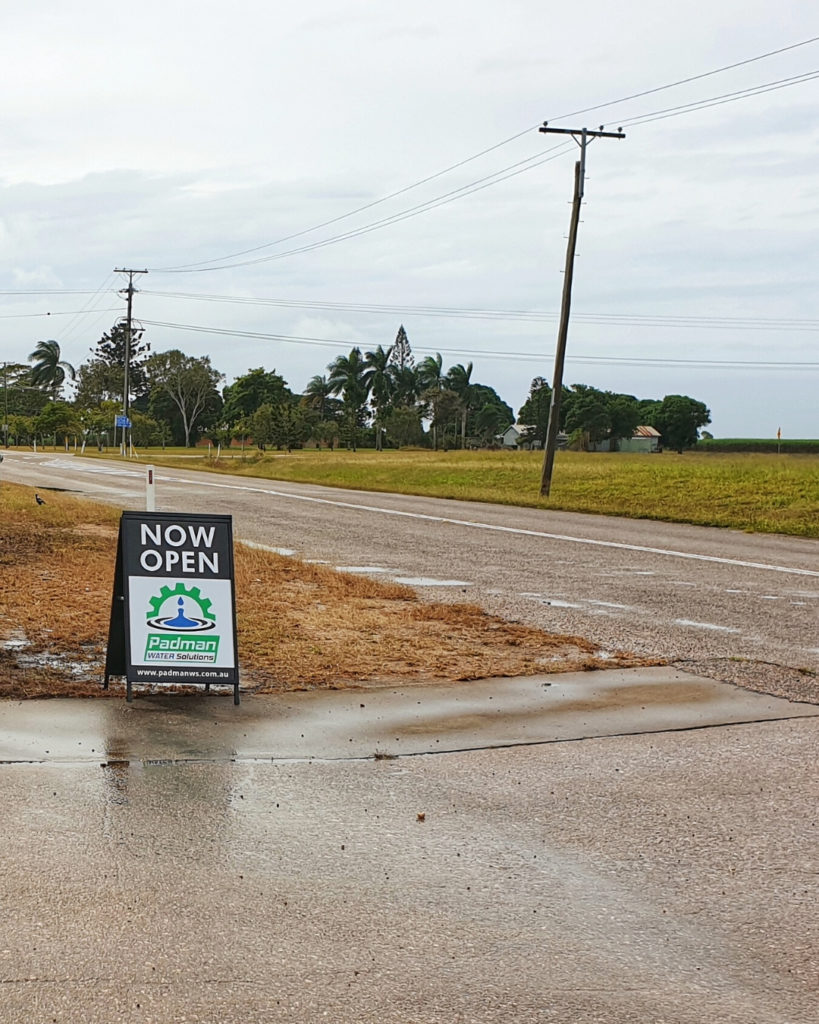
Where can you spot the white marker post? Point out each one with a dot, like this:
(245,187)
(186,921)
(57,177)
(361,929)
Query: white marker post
(150,490)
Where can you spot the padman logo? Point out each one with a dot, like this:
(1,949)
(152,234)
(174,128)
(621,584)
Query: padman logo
(171,647)
(182,614)
(159,616)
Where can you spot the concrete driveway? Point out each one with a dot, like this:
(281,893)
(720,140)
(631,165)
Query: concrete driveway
(182,860)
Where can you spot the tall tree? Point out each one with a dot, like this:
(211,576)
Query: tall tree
(250,391)
(447,415)
(381,388)
(431,378)
(58,419)
(405,387)
(678,418)
(292,424)
(317,394)
(400,352)
(348,378)
(109,352)
(404,426)
(588,415)
(624,416)
(484,396)
(458,379)
(488,422)
(49,371)
(190,383)
(535,410)
(18,396)
(98,382)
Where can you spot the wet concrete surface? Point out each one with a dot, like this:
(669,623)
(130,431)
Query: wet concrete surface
(378,722)
(666,877)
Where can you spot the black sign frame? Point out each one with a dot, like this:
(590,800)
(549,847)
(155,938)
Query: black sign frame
(207,558)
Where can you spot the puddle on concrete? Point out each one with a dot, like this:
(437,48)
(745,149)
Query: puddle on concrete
(16,642)
(59,662)
(345,724)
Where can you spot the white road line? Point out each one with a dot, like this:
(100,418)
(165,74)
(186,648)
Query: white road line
(618,545)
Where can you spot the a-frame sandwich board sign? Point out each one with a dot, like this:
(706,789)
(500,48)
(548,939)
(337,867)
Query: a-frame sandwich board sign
(173,610)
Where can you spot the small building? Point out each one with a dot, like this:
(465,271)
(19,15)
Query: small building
(644,439)
(519,436)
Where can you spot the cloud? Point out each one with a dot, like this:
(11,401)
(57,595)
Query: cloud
(195,137)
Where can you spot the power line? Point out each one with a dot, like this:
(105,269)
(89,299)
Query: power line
(709,322)
(48,291)
(686,81)
(350,213)
(496,177)
(483,152)
(65,312)
(448,197)
(91,308)
(717,101)
(472,353)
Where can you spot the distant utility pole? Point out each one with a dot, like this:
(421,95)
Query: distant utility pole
(126,391)
(6,404)
(581,136)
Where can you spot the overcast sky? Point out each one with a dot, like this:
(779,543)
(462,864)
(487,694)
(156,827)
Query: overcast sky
(169,134)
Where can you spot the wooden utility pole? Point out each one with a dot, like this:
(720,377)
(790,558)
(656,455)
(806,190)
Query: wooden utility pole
(126,391)
(581,137)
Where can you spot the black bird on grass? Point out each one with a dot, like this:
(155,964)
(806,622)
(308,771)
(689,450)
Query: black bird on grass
(38,499)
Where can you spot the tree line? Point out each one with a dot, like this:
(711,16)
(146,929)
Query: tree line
(375,398)
(591,417)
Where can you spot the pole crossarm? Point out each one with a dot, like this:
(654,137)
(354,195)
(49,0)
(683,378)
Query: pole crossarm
(599,134)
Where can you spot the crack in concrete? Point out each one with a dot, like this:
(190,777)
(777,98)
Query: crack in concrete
(378,756)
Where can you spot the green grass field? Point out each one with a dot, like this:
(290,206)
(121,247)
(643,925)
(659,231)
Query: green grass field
(756,492)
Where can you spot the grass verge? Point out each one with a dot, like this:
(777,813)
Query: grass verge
(755,492)
(300,625)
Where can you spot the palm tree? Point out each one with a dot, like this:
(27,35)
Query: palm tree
(458,380)
(49,371)
(349,378)
(431,379)
(431,373)
(316,393)
(405,387)
(381,386)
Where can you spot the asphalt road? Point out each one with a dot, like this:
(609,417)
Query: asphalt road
(677,591)
(161,865)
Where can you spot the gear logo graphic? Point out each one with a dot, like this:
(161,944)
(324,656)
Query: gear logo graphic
(178,617)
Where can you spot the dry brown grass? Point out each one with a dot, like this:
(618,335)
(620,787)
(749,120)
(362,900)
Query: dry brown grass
(300,625)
